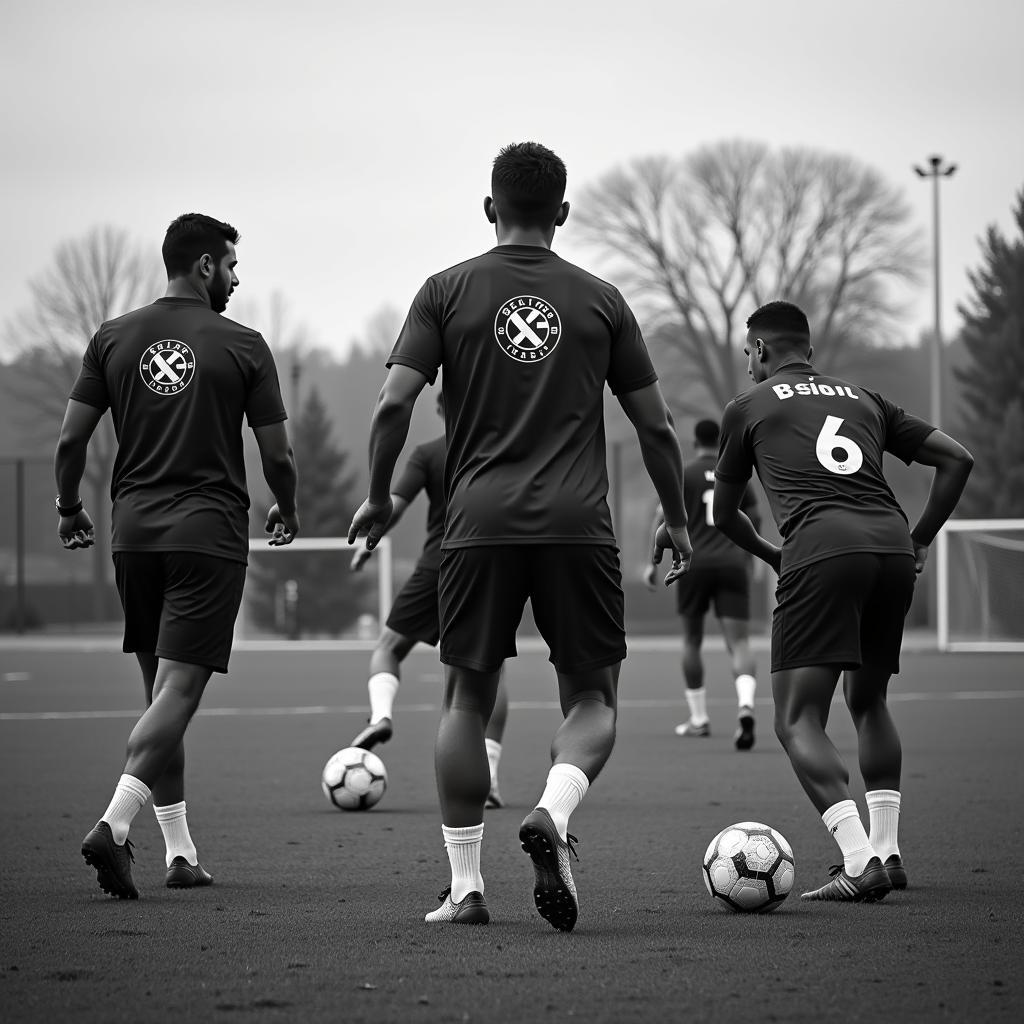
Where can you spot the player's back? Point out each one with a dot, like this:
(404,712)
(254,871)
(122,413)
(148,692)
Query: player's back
(711,548)
(528,342)
(818,442)
(178,379)
(424,471)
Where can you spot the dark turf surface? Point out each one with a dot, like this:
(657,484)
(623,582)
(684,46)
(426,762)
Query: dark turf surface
(317,914)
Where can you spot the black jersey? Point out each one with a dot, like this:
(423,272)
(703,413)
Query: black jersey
(817,443)
(711,548)
(425,472)
(178,379)
(527,342)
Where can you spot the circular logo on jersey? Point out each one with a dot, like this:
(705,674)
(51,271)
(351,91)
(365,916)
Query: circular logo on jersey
(527,328)
(167,367)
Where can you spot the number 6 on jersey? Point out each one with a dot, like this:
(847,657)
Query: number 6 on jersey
(828,441)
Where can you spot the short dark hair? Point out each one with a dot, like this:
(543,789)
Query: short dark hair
(528,184)
(191,236)
(784,320)
(705,433)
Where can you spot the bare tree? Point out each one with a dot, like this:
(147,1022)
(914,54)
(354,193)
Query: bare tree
(94,278)
(701,241)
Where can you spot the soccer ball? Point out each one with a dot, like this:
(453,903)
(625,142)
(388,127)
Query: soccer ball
(749,867)
(354,779)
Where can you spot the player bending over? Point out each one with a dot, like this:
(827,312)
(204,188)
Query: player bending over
(527,342)
(414,617)
(720,573)
(846,568)
(178,379)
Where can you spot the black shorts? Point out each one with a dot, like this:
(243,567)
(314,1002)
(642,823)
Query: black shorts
(414,612)
(846,611)
(727,586)
(575,591)
(179,605)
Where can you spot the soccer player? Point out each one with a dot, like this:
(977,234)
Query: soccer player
(414,616)
(719,573)
(527,342)
(178,379)
(846,568)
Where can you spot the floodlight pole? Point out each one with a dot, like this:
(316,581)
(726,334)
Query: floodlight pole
(936,171)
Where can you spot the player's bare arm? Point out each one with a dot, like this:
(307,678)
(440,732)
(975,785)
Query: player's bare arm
(398,507)
(663,460)
(730,518)
(952,463)
(279,471)
(75,527)
(389,428)
(650,568)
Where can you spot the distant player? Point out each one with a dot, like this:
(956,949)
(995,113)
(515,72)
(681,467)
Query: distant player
(414,615)
(846,572)
(178,379)
(719,575)
(527,342)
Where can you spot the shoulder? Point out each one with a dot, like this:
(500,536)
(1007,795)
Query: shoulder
(605,289)
(239,331)
(459,269)
(738,408)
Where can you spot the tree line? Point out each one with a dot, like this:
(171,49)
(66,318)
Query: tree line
(694,242)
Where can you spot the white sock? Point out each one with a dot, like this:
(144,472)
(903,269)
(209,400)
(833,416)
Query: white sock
(843,821)
(174,826)
(129,796)
(566,787)
(463,846)
(382,688)
(698,701)
(493,758)
(884,811)
(746,687)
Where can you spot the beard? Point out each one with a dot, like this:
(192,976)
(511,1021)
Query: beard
(219,296)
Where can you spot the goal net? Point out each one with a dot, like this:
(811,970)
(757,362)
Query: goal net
(306,593)
(980,569)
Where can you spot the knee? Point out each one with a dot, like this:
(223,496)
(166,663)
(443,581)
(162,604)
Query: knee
(603,699)
(393,644)
(782,731)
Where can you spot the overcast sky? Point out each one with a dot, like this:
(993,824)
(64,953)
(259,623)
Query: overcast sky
(351,142)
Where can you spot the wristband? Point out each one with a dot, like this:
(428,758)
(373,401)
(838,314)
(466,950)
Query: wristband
(71,510)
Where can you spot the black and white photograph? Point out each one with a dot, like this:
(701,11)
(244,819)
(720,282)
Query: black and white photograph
(511,512)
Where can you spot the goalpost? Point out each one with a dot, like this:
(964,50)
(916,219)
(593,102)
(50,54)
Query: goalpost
(335,553)
(980,578)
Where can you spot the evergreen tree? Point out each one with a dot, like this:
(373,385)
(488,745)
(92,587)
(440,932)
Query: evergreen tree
(304,592)
(992,382)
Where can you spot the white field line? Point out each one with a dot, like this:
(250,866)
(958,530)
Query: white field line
(353,709)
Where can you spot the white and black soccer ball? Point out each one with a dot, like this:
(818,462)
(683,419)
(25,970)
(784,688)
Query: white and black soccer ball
(749,867)
(354,779)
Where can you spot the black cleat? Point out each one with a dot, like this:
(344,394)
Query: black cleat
(471,909)
(494,797)
(182,875)
(376,732)
(895,870)
(868,887)
(554,891)
(113,862)
(744,738)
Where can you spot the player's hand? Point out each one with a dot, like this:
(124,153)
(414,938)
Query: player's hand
(370,521)
(776,560)
(678,539)
(76,531)
(920,557)
(283,528)
(359,559)
(651,576)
